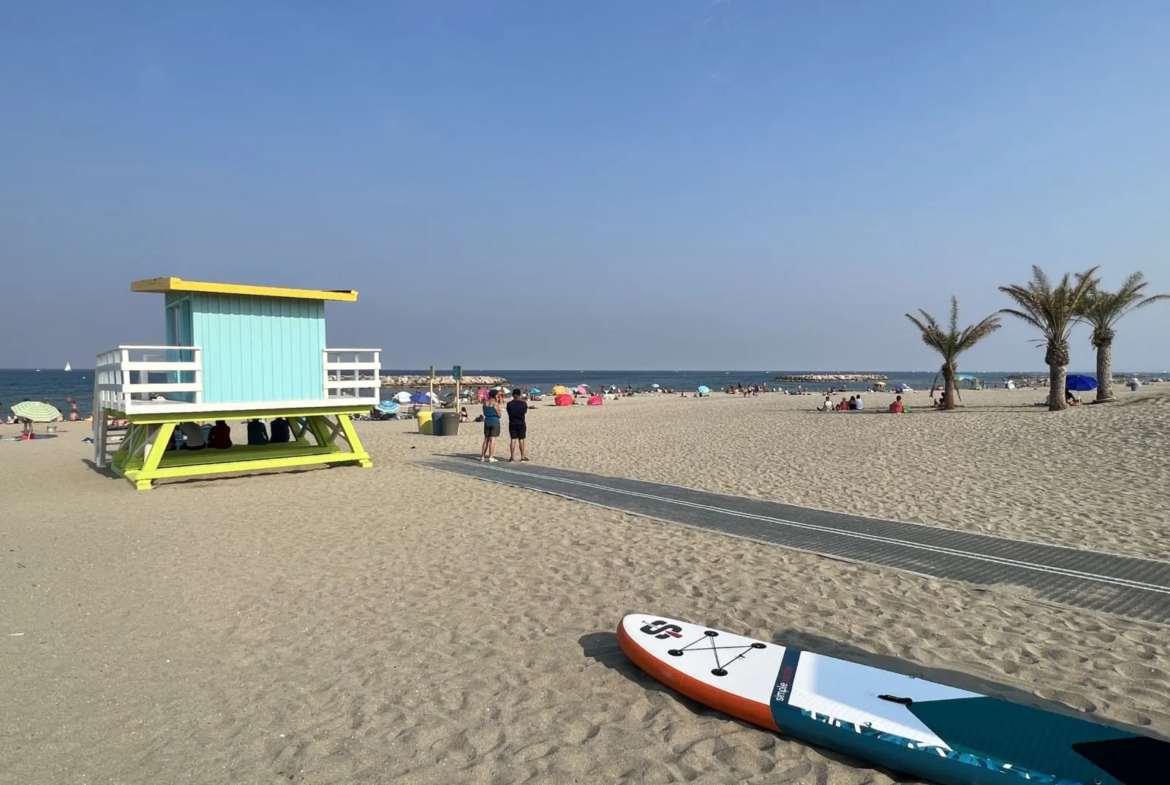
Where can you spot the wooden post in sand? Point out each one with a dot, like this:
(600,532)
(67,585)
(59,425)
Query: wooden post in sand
(457,373)
(431,397)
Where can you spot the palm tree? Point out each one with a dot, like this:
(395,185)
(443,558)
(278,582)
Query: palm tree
(952,342)
(1102,310)
(1054,312)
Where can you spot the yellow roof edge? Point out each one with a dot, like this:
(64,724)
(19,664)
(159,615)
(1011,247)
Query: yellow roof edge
(179,285)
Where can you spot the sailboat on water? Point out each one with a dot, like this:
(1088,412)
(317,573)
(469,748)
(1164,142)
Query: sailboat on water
(67,367)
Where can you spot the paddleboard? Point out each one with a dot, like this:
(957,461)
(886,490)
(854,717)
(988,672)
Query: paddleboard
(929,730)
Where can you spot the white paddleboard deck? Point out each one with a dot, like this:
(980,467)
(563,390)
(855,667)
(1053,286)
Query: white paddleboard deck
(901,722)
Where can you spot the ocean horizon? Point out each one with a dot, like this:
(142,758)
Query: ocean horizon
(17,384)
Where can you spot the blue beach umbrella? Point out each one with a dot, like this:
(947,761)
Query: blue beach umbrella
(1078,383)
(534,391)
(420,398)
(704,389)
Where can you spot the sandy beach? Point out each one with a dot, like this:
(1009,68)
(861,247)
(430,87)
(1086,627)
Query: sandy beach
(395,624)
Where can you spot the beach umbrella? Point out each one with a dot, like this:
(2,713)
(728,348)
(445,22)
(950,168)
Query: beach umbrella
(387,407)
(655,386)
(594,401)
(534,391)
(704,389)
(1076,383)
(560,389)
(583,389)
(903,387)
(36,411)
(420,398)
(402,397)
(564,399)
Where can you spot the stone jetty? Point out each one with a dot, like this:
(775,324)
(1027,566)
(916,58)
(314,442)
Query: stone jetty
(445,381)
(833,377)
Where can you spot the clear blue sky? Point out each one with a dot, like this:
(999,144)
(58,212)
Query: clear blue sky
(606,184)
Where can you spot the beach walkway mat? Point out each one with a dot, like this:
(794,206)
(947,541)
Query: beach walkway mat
(1129,587)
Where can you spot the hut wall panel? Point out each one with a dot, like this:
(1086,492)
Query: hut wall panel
(260,348)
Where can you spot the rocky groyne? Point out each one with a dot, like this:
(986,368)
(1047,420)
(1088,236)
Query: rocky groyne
(833,377)
(445,381)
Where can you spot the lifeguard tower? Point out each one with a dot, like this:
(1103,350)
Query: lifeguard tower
(233,353)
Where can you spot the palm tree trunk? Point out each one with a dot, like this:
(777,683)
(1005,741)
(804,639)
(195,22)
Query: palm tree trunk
(1057,379)
(1105,371)
(950,383)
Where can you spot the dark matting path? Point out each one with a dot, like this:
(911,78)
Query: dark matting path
(1129,587)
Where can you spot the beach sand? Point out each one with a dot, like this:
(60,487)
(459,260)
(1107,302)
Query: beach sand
(396,624)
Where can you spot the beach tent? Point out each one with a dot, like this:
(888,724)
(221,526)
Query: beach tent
(402,397)
(975,382)
(564,399)
(594,400)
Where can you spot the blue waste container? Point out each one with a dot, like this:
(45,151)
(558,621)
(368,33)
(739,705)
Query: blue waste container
(437,424)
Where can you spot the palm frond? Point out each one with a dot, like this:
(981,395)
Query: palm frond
(1025,314)
(1052,310)
(1155,298)
(977,332)
(953,342)
(1103,309)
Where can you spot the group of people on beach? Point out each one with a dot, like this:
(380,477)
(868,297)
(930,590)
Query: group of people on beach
(27,430)
(517,411)
(854,403)
(73,416)
(196,436)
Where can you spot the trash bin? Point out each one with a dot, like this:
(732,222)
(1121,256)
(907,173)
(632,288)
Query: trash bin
(436,423)
(450,424)
(425,426)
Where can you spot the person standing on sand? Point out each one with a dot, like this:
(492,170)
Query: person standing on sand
(517,427)
(491,425)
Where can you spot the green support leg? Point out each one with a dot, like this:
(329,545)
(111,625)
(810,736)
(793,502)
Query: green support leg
(355,444)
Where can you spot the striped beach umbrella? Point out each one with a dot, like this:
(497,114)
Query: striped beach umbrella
(36,411)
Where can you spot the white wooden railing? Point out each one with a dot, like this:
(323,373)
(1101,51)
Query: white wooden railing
(122,377)
(353,373)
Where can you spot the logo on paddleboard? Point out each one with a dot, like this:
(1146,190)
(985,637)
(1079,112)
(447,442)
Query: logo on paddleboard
(662,629)
(784,683)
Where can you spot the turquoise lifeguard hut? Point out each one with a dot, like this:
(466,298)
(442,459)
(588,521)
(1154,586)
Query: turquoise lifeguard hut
(233,352)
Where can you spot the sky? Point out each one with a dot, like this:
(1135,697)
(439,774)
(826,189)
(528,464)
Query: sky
(611,184)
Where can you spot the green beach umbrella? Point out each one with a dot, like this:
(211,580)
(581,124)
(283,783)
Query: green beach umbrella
(36,411)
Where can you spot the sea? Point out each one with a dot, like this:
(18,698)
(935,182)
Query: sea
(56,385)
